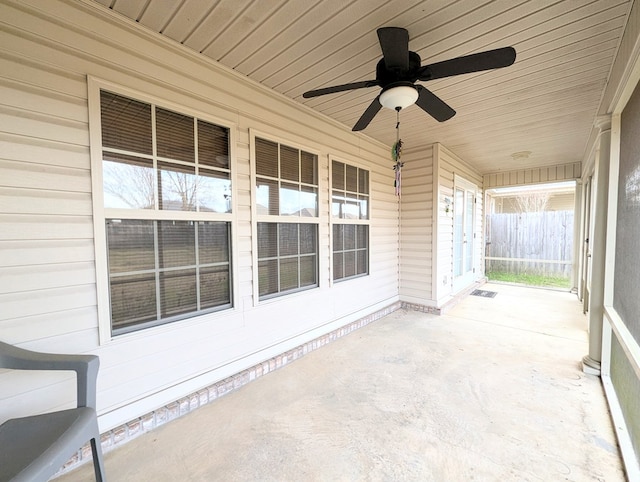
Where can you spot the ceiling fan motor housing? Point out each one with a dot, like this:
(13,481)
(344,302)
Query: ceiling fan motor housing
(386,76)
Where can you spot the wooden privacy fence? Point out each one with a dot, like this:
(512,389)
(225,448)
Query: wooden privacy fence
(530,243)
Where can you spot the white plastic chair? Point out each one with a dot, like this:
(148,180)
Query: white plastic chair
(34,448)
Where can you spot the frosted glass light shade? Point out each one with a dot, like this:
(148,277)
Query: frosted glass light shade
(398,97)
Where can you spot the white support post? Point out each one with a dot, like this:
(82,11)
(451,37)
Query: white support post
(591,362)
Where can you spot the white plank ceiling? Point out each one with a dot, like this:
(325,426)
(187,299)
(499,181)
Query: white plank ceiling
(545,103)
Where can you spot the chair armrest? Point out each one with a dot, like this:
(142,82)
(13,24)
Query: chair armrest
(85,366)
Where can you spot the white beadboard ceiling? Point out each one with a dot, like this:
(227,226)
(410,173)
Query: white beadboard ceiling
(545,103)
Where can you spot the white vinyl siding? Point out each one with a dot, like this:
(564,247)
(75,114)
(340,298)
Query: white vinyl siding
(49,293)
(417,232)
(538,175)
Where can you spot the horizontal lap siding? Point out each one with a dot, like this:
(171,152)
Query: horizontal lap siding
(538,175)
(416,234)
(47,270)
(449,165)
(48,294)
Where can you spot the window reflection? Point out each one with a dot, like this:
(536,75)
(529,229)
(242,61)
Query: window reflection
(214,192)
(337,201)
(128,186)
(364,207)
(351,209)
(267,197)
(289,200)
(177,186)
(308,201)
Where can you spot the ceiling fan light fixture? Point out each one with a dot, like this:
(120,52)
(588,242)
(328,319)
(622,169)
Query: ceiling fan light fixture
(399,97)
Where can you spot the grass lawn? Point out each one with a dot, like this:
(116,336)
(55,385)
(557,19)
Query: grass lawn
(529,279)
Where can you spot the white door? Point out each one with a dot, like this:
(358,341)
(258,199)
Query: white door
(463,234)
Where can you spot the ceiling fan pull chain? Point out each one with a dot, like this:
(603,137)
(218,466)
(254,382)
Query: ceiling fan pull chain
(396,152)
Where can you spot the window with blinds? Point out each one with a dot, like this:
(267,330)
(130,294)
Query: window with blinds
(287,257)
(286,191)
(167,199)
(286,180)
(350,220)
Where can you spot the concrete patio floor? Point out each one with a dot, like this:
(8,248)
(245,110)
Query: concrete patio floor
(492,390)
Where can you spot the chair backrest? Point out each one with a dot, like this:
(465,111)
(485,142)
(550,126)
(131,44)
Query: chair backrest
(34,447)
(85,366)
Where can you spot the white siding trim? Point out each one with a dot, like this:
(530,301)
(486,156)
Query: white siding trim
(99,231)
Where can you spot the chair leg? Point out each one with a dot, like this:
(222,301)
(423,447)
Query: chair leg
(98,464)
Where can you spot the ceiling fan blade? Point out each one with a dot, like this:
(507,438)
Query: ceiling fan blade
(394,42)
(491,59)
(340,88)
(368,115)
(433,105)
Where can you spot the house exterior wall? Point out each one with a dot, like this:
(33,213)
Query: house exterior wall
(427,225)
(417,231)
(49,299)
(448,167)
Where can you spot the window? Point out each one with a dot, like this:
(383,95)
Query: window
(287,257)
(167,204)
(350,220)
(287,209)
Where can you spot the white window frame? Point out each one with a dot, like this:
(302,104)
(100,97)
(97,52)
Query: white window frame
(271,218)
(100,213)
(333,220)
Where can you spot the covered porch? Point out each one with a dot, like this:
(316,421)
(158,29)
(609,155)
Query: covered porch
(490,390)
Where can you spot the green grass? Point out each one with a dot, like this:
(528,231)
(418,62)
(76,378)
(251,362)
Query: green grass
(529,279)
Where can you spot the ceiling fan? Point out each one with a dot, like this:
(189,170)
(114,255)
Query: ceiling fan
(399,69)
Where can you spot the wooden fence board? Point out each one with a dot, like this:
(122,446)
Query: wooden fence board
(532,243)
